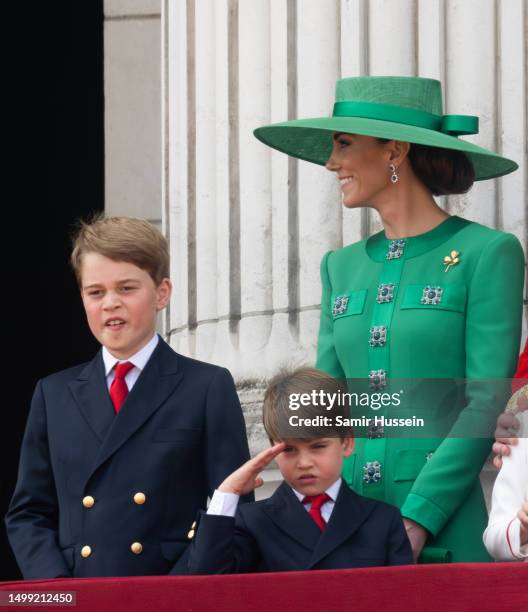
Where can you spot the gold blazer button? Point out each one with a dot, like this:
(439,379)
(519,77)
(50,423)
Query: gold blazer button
(86,551)
(140,498)
(190,534)
(136,548)
(88,501)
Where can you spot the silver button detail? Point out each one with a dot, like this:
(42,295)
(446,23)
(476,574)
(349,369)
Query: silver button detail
(371,472)
(396,248)
(378,335)
(340,305)
(385,293)
(374,432)
(377,379)
(432,295)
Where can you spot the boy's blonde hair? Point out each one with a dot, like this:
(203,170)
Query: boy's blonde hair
(276,409)
(122,239)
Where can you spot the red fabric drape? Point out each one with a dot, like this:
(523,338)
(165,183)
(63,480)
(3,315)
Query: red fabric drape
(457,587)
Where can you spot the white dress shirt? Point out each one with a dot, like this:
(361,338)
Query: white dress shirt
(139,360)
(225,504)
(502,537)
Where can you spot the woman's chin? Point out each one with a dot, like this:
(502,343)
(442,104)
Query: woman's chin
(353,204)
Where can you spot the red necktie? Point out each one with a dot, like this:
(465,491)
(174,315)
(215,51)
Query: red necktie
(316,501)
(118,388)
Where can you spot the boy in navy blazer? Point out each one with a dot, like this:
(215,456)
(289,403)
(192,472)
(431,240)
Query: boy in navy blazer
(313,520)
(120,452)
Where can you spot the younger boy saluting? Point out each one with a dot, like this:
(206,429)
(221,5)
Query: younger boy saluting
(119,452)
(313,520)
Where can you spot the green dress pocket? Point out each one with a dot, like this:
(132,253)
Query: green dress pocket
(435,297)
(344,304)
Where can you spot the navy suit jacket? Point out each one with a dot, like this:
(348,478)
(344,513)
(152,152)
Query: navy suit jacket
(277,534)
(179,433)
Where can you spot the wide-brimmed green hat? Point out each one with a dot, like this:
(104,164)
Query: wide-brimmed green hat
(399,108)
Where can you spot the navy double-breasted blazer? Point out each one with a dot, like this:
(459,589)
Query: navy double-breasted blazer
(179,433)
(277,534)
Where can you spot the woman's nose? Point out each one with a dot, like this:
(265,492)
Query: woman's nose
(332,164)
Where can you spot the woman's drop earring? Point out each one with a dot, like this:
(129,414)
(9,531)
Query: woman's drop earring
(394,177)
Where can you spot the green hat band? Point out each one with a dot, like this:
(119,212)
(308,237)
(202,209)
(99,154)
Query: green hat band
(454,125)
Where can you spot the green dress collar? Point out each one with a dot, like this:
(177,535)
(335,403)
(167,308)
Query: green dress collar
(377,246)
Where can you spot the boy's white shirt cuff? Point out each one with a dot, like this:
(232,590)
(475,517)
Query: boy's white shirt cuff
(514,540)
(223,504)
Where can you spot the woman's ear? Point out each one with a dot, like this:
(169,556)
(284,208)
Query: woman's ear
(399,151)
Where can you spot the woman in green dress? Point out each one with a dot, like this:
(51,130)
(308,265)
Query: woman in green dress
(431,300)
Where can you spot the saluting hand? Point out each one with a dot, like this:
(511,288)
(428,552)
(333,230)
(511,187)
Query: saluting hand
(246,478)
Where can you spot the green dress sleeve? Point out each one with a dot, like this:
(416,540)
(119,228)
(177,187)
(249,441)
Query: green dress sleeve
(493,330)
(327,359)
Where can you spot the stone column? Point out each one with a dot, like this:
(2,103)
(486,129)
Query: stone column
(132,88)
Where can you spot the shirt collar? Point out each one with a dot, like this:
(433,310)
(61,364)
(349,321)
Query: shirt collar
(332,491)
(139,359)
